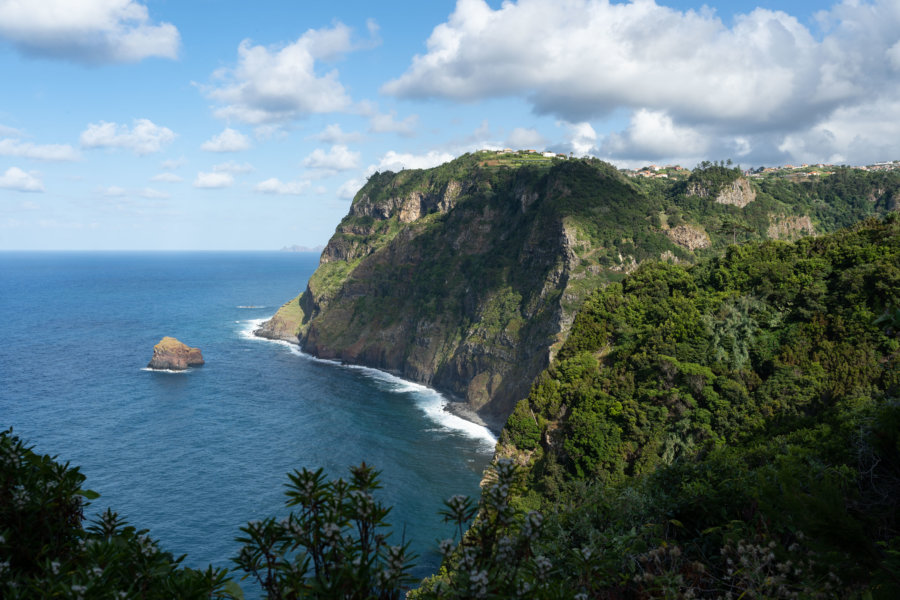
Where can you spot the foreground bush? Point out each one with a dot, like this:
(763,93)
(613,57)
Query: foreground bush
(47,552)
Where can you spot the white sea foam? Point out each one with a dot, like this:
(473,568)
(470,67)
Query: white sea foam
(250,326)
(430,401)
(172,371)
(249,306)
(434,405)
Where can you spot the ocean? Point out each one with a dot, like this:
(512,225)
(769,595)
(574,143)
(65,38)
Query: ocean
(192,456)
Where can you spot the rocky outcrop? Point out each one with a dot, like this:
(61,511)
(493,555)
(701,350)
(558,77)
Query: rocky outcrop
(739,193)
(170,354)
(690,237)
(285,325)
(784,227)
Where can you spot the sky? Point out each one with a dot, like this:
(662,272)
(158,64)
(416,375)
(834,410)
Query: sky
(231,125)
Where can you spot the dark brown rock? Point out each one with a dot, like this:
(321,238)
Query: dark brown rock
(171,354)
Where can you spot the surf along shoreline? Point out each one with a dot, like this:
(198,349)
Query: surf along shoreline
(473,427)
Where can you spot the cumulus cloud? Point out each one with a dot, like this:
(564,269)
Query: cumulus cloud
(167,178)
(338,158)
(744,85)
(277,84)
(652,135)
(20,181)
(48,152)
(333,134)
(349,188)
(581,139)
(89,31)
(397,161)
(278,187)
(860,134)
(213,180)
(143,138)
(229,140)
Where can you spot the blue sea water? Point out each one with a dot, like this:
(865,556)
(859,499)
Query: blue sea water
(194,455)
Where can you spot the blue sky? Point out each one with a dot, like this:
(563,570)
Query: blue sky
(219,124)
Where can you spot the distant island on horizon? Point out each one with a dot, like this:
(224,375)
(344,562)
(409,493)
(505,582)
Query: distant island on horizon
(297,248)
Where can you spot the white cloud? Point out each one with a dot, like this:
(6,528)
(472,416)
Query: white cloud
(742,86)
(338,158)
(581,137)
(233,168)
(229,140)
(333,134)
(857,135)
(143,138)
(280,84)
(396,161)
(581,58)
(91,31)
(48,152)
(521,138)
(167,178)
(17,179)
(349,188)
(276,186)
(387,123)
(213,180)
(653,135)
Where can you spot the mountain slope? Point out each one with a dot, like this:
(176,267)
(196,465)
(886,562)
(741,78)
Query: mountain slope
(466,277)
(728,429)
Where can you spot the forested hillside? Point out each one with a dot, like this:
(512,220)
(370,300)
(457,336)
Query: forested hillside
(731,427)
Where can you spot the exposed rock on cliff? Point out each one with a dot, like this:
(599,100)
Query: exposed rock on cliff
(171,354)
(689,236)
(739,193)
(786,227)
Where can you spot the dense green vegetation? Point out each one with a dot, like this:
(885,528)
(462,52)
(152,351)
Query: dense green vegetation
(467,276)
(744,409)
(47,552)
(730,428)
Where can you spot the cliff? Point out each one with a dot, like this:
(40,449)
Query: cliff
(467,277)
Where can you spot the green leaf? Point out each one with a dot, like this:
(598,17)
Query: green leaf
(89,494)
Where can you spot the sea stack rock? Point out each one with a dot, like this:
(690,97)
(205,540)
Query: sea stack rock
(171,354)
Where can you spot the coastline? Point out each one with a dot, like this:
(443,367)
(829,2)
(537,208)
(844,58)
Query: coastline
(452,408)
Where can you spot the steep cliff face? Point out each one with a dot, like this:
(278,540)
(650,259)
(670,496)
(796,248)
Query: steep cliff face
(464,277)
(467,277)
